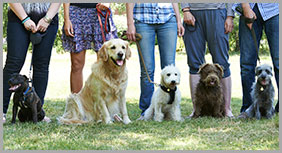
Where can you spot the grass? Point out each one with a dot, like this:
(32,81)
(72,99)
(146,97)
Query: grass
(199,134)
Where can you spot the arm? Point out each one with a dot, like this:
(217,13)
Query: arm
(188,17)
(67,23)
(18,9)
(45,21)
(180,28)
(229,19)
(248,13)
(131,31)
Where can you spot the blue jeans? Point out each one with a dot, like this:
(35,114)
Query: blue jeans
(248,53)
(167,37)
(209,27)
(18,42)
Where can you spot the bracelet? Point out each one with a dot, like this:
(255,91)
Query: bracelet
(46,19)
(185,11)
(25,19)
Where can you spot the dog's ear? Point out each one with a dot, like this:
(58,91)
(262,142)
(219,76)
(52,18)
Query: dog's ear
(220,68)
(257,70)
(162,77)
(102,53)
(128,51)
(202,67)
(271,70)
(25,77)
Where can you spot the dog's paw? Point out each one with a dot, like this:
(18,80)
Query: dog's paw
(158,119)
(109,122)
(126,121)
(243,115)
(181,119)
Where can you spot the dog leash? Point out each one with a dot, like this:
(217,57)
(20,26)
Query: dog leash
(249,20)
(138,38)
(27,92)
(35,39)
(99,13)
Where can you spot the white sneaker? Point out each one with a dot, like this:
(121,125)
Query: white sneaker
(46,119)
(4,118)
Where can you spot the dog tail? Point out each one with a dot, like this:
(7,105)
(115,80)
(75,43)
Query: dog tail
(149,113)
(73,111)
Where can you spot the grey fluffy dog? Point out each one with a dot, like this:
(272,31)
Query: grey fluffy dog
(262,94)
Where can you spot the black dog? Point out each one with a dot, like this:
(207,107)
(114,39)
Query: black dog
(26,98)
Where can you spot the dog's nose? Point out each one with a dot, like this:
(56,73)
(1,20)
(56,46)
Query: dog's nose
(120,54)
(173,82)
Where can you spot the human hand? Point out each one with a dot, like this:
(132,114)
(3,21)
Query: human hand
(42,25)
(30,26)
(249,13)
(228,25)
(131,31)
(189,18)
(68,28)
(180,29)
(103,6)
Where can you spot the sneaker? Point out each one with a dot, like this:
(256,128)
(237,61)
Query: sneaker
(4,118)
(141,118)
(46,119)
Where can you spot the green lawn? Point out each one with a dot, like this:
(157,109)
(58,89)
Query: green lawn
(197,134)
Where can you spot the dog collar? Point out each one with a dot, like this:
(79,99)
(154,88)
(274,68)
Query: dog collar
(27,92)
(171,93)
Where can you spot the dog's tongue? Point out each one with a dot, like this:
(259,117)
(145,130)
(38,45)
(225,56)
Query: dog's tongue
(212,82)
(14,87)
(120,62)
(263,82)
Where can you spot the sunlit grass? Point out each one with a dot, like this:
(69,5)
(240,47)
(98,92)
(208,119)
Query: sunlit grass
(200,134)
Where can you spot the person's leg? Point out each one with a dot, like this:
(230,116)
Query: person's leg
(195,45)
(167,39)
(248,57)
(41,58)
(76,76)
(219,46)
(193,81)
(272,34)
(147,46)
(17,41)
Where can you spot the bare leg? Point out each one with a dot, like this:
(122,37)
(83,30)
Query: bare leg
(76,76)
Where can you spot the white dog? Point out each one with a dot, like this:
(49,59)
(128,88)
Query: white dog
(166,99)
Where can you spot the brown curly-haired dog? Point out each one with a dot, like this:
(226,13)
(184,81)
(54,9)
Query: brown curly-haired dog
(209,97)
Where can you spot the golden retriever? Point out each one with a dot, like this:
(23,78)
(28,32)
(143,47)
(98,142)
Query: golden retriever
(103,94)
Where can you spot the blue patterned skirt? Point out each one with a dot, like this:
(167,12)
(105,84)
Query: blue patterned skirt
(87,30)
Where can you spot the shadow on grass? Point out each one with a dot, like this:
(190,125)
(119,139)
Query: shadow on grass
(204,133)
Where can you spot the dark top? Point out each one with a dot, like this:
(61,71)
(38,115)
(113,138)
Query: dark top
(85,5)
(35,17)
